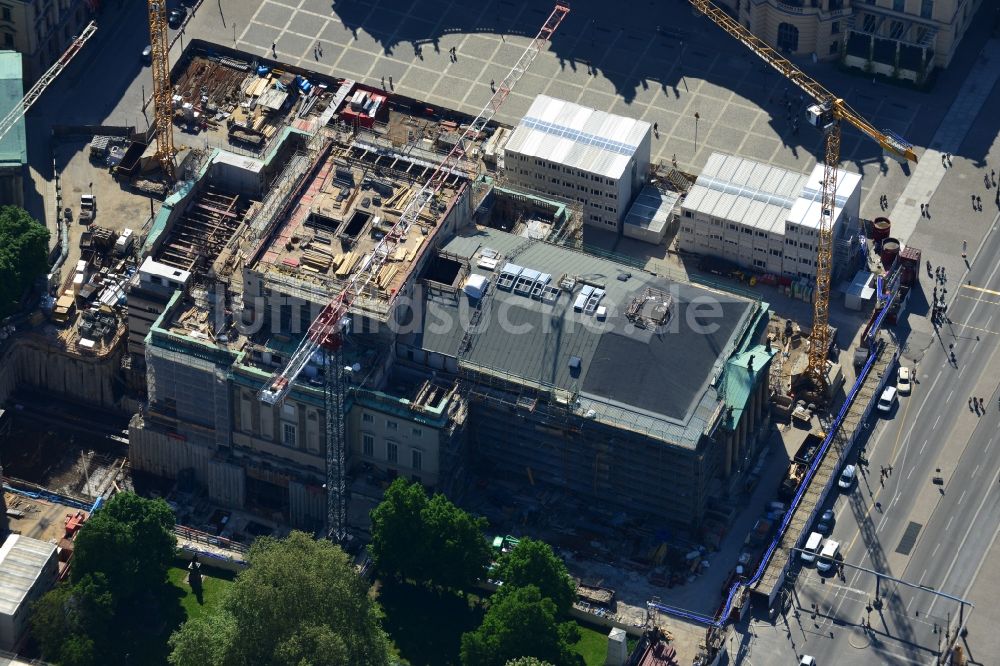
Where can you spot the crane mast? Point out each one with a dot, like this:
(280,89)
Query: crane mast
(826,114)
(162,106)
(325,334)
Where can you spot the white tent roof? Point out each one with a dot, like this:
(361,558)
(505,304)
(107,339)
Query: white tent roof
(577,136)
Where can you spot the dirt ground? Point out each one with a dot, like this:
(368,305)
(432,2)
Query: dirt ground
(65,460)
(117,208)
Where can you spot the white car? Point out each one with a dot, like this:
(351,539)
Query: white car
(828,556)
(887,400)
(903,382)
(847,477)
(807,660)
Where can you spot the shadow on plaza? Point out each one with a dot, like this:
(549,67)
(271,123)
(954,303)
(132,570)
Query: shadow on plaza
(663,43)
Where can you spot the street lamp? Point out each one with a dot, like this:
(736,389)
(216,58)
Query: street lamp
(697,117)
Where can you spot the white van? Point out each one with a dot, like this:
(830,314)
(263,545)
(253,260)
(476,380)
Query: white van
(808,553)
(827,556)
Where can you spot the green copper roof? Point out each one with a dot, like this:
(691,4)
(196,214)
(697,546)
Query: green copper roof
(13,147)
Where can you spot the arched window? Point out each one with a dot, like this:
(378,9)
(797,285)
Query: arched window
(788,37)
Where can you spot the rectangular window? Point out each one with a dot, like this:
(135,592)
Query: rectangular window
(418,460)
(8,40)
(417,432)
(834,47)
(367,418)
(835,28)
(926,9)
(288,434)
(391,425)
(367,445)
(392,452)
(899,5)
(5,13)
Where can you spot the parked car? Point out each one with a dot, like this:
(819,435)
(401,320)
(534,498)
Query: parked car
(176,17)
(829,556)
(904,382)
(826,522)
(807,660)
(811,549)
(847,477)
(887,399)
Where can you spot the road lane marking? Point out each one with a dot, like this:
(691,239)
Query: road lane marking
(923,445)
(962,496)
(975,471)
(952,392)
(910,473)
(986,450)
(946,527)
(958,548)
(981,289)
(936,421)
(976,328)
(936,546)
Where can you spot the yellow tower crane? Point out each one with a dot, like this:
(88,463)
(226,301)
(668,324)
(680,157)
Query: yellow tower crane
(826,114)
(162,105)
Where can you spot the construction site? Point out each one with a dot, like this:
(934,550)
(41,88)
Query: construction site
(341,286)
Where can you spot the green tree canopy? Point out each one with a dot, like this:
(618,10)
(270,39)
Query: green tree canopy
(24,250)
(300,603)
(532,562)
(131,542)
(521,623)
(429,540)
(527,661)
(70,620)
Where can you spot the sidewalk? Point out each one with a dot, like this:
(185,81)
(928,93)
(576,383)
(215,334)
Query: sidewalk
(927,175)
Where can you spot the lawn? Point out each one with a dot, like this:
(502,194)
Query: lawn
(213,582)
(592,646)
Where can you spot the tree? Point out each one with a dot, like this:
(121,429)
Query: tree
(71,622)
(398,541)
(24,250)
(527,661)
(521,623)
(532,562)
(427,540)
(299,602)
(131,542)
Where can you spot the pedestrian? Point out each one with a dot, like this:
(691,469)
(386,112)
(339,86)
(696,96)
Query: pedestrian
(927,210)
(944,157)
(316,55)
(390,84)
(656,128)
(878,505)
(383,83)
(274,47)
(979,202)
(970,403)
(889,470)
(982,405)
(921,210)
(993,177)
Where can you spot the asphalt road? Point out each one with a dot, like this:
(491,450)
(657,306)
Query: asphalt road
(932,433)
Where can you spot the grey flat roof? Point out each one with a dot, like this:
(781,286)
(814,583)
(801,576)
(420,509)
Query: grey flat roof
(659,380)
(652,209)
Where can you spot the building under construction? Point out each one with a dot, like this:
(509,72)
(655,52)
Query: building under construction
(483,339)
